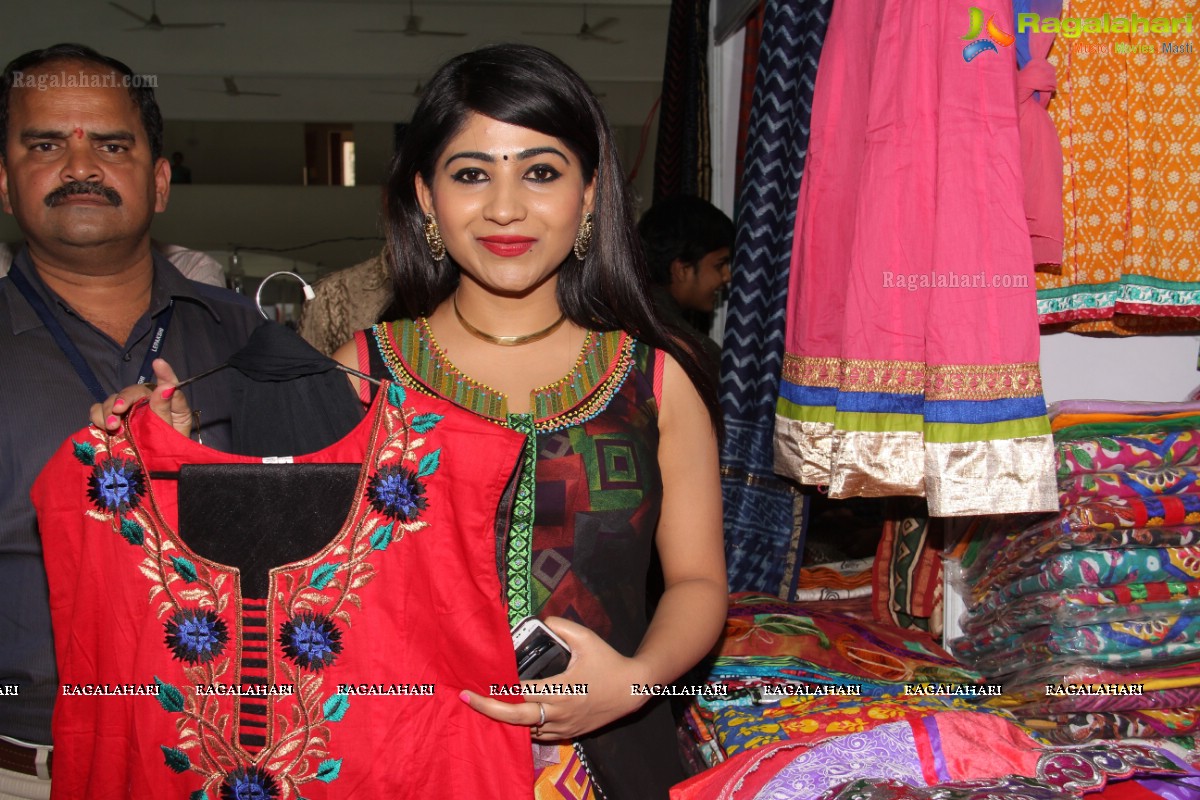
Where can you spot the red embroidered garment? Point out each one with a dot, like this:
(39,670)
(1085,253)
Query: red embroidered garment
(405,597)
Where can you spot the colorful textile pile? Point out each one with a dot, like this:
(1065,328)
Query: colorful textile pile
(1091,618)
(809,704)
(964,754)
(788,672)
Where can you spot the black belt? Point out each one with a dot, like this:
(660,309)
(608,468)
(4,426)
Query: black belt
(22,759)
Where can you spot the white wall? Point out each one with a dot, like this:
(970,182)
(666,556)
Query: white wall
(1130,368)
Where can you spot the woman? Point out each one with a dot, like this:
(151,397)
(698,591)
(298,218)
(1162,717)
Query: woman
(524,300)
(511,239)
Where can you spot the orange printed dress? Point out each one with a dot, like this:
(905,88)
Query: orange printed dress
(1128,115)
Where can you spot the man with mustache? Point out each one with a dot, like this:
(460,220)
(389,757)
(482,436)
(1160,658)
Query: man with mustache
(85,310)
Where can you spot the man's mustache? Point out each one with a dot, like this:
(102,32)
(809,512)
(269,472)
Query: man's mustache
(59,195)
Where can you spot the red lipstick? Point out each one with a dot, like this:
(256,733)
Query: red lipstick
(507,246)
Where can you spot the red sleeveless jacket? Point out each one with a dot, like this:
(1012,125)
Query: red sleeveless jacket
(349,668)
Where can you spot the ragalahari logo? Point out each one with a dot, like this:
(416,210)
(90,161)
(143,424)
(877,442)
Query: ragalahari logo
(996,36)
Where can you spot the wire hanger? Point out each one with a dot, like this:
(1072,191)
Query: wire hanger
(309,294)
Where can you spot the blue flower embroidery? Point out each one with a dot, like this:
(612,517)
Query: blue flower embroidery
(311,640)
(115,485)
(249,783)
(396,492)
(196,636)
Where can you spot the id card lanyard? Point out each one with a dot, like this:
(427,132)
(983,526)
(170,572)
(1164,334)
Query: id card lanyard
(68,348)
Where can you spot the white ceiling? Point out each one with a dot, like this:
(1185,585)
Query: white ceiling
(310,53)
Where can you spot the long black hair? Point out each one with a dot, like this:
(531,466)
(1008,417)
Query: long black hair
(528,87)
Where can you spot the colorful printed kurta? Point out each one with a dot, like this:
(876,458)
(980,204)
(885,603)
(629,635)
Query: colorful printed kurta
(134,604)
(582,533)
(912,347)
(1128,116)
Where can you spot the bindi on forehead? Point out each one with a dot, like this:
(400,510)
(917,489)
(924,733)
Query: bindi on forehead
(78,132)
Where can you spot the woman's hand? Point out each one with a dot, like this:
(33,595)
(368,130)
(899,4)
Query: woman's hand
(608,675)
(167,403)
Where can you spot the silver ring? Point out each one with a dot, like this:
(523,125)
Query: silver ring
(537,729)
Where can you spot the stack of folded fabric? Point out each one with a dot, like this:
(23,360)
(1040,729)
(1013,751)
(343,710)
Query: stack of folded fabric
(845,585)
(1091,619)
(839,580)
(786,672)
(817,706)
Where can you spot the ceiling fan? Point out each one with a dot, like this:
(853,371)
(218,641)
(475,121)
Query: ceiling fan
(231,89)
(586,32)
(412,27)
(153,23)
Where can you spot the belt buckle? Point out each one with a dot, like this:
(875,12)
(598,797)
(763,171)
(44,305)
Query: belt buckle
(41,756)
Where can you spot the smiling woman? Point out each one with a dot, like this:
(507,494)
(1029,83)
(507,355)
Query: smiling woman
(525,301)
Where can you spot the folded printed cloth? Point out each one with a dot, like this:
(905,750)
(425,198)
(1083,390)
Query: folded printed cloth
(1139,483)
(1070,420)
(794,634)
(1136,512)
(1133,643)
(812,720)
(1086,606)
(1131,428)
(1090,726)
(1073,569)
(1055,410)
(1120,453)
(991,559)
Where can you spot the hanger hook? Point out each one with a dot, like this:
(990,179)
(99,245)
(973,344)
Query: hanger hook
(309,294)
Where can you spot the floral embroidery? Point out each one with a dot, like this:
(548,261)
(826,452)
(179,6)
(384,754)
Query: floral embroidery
(313,641)
(249,783)
(312,607)
(115,485)
(196,636)
(396,492)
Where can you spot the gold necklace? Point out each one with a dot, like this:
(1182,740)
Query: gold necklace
(506,341)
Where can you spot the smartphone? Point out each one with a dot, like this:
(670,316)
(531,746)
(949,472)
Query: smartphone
(540,653)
